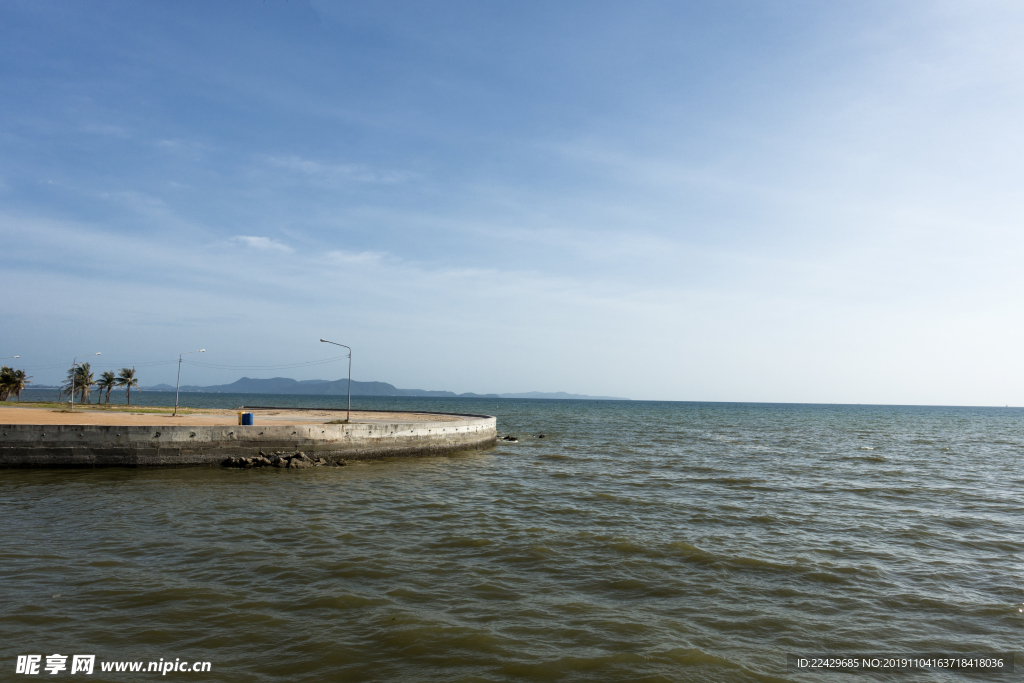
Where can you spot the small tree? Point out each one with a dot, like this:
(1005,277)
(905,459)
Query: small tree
(17,382)
(106,382)
(6,382)
(84,381)
(126,378)
(80,380)
(68,384)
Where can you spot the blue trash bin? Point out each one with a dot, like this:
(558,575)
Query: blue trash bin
(247,419)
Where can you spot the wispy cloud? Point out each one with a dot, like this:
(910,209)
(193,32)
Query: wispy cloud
(351,257)
(261,243)
(106,129)
(332,173)
(183,147)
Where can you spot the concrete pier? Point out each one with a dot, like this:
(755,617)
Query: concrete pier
(318,433)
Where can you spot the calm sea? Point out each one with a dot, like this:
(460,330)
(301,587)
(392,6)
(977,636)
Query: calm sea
(637,541)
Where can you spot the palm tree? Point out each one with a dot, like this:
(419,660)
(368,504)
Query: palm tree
(67,385)
(126,378)
(79,379)
(84,380)
(6,382)
(16,383)
(107,381)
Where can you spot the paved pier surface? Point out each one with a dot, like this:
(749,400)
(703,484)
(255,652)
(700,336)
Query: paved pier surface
(144,415)
(39,437)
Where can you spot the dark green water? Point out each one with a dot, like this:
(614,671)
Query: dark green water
(636,542)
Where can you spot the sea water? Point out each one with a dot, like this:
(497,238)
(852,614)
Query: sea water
(635,541)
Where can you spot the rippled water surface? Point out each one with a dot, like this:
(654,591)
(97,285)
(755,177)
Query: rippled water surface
(635,542)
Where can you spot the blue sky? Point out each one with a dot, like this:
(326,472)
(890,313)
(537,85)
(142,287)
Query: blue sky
(747,201)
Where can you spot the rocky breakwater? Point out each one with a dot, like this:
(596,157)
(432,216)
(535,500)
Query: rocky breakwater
(292,461)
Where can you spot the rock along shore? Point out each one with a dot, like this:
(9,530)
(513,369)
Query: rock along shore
(280,459)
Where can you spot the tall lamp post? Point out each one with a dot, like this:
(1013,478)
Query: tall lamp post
(179,378)
(73,364)
(348,415)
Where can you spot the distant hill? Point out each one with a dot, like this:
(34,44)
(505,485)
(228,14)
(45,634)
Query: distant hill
(562,395)
(323,387)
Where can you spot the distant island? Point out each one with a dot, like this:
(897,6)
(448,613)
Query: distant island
(324,387)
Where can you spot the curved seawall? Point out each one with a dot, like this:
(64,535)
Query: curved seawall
(107,445)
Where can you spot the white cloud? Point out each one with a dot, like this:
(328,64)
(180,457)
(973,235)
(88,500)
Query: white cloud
(350,257)
(261,243)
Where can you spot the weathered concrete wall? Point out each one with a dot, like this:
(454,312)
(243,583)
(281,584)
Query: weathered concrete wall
(105,446)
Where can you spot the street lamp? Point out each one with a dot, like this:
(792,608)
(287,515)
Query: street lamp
(10,357)
(73,364)
(179,378)
(348,415)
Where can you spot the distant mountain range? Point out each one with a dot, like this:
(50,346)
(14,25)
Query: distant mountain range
(323,387)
